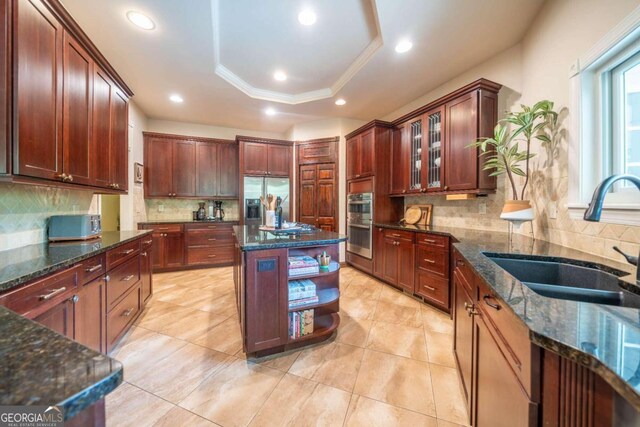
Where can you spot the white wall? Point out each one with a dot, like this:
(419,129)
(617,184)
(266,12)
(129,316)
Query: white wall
(206,131)
(132,204)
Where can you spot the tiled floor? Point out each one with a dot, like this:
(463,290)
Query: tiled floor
(390,363)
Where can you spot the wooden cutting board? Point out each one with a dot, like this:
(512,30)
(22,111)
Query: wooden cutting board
(418,215)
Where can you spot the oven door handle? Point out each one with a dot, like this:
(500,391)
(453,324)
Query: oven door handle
(366,227)
(353,202)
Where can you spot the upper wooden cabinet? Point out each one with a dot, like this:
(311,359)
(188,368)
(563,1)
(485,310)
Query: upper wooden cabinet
(269,159)
(360,155)
(70,116)
(431,152)
(183,166)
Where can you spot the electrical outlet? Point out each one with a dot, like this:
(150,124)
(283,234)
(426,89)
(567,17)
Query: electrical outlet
(482,208)
(553,210)
(160,208)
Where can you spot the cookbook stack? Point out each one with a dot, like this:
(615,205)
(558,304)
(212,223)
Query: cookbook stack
(302,292)
(303,266)
(300,323)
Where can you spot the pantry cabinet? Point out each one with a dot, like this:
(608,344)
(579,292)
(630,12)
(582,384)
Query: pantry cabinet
(189,167)
(70,117)
(431,153)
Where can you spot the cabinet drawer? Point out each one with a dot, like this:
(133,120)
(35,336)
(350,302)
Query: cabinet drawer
(118,255)
(92,268)
(121,280)
(122,315)
(165,228)
(509,332)
(433,240)
(213,255)
(209,227)
(37,297)
(433,260)
(461,266)
(399,234)
(209,238)
(435,289)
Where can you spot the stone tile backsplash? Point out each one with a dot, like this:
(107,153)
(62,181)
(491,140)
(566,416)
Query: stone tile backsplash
(25,211)
(178,209)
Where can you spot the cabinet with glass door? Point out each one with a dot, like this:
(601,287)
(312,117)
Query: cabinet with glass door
(433,150)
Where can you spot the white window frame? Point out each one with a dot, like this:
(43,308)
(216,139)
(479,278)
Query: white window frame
(590,160)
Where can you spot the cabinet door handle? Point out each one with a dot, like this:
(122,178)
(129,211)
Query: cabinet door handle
(488,297)
(212,227)
(212,256)
(148,242)
(429,241)
(395,235)
(94,268)
(459,263)
(429,287)
(75,299)
(52,294)
(143,254)
(107,278)
(127,252)
(430,261)
(212,240)
(163,228)
(128,312)
(126,279)
(471,309)
(357,176)
(70,178)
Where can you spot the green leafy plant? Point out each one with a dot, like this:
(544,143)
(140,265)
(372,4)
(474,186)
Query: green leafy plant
(502,151)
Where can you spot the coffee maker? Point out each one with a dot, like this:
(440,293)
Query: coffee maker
(218,212)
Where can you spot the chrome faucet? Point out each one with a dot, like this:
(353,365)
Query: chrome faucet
(595,210)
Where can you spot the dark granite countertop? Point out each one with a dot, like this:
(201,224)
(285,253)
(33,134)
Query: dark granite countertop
(604,338)
(18,266)
(190,221)
(251,238)
(41,367)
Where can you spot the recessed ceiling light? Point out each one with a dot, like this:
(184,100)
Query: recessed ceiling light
(280,76)
(307,17)
(404,46)
(176,98)
(340,101)
(270,112)
(140,20)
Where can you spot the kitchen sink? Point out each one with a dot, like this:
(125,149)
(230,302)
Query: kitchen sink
(566,281)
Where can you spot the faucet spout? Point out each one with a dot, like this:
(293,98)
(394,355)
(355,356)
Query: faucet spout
(595,207)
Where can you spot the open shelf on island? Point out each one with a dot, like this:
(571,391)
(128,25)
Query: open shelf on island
(322,326)
(325,297)
(333,267)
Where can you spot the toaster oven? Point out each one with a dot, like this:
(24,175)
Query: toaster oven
(74,227)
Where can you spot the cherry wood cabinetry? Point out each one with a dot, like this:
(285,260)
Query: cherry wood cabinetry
(190,167)
(91,301)
(264,158)
(5,87)
(361,155)
(430,151)
(146,268)
(67,111)
(463,335)
(398,259)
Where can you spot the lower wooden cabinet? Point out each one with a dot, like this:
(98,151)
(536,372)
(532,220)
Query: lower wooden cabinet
(88,302)
(90,307)
(463,336)
(398,262)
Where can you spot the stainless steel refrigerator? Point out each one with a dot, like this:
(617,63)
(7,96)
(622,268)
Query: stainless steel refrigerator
(254,187)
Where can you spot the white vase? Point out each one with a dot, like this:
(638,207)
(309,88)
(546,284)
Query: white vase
(517,212)
(270,218)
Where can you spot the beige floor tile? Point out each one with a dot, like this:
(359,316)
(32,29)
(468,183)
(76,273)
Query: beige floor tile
(193,325)
(366,288)
(157,309)
(353,331)
(333,364)
(178,374)
(142,346)
(224,337)
(394,296)
(397,381)
(359,308)
(399,340)
(181,417)
(224,305)
(280,361)
(394,313)
(128,406)
(300,402)
(443,423)
(440,348)
(371,413)
(233,395)
(435,320)
(161,314)
(450,405)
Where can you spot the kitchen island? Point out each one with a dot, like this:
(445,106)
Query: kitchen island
(262,281)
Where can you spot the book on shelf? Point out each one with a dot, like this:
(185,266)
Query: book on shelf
(304,271)
(303,301)
(300,323)
(299,289)
(303,265)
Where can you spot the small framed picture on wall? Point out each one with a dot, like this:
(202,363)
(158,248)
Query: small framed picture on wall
(138,173)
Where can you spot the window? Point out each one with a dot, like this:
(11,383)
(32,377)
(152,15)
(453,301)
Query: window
(625,119)
(604,134)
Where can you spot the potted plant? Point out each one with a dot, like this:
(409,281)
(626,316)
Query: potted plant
(504,155)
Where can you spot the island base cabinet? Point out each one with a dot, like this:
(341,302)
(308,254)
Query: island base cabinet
(267,299)
(500,399)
